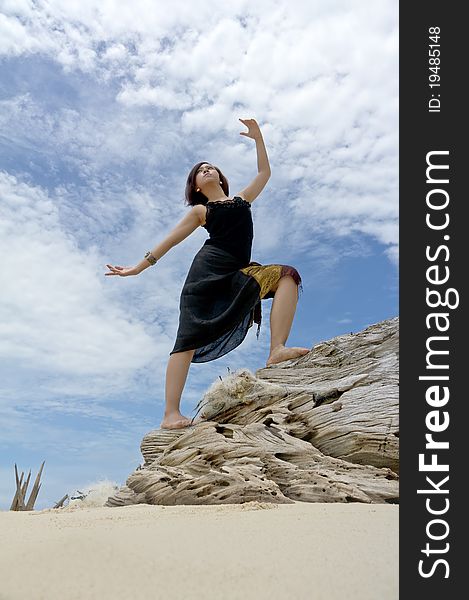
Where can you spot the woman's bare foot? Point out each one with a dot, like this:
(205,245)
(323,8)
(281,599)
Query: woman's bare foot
(175,421)
(281,353)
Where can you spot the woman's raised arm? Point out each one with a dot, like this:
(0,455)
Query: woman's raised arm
(183,229)
(256,186)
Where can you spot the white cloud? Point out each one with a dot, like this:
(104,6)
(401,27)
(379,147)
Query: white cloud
(56,314)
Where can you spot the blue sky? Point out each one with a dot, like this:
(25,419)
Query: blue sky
(104,109)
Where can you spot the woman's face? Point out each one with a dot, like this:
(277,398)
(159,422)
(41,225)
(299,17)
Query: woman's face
(206,172)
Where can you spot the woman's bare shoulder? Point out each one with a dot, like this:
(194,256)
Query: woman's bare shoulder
(200,211)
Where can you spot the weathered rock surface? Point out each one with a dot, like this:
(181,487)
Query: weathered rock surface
(320,428)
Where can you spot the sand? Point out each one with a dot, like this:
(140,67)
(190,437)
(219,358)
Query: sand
(249,551)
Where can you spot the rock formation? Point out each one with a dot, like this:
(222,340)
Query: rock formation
(320,428)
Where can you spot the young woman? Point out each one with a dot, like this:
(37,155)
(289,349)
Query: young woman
(222,293)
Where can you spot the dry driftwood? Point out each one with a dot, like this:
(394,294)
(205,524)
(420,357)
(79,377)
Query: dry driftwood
(60,503)
(18,502)
(321,428)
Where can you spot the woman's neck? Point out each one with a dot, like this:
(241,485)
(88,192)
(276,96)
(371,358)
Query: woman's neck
(213,192)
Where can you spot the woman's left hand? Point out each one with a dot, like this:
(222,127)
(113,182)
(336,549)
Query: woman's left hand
(254,130)
(121,271)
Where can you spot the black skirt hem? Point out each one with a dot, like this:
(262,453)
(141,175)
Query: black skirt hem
(252,313)
(224,353)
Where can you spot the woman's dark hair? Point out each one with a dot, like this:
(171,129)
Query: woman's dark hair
(192,196)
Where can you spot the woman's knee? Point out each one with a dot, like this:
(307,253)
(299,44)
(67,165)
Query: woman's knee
(287,279)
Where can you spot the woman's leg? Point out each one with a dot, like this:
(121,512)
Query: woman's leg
(281,319)
(176,375)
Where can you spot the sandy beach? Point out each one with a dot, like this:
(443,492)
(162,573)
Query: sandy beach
(248,551)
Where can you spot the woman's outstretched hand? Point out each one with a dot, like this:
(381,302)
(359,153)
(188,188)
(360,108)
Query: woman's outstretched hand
(254,130)
(121,271)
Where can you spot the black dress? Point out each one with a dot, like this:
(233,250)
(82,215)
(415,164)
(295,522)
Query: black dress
(221,296)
